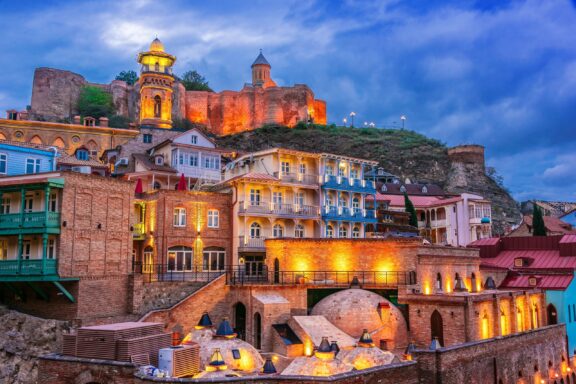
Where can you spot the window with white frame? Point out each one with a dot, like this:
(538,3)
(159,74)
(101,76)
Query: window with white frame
(5,206)
(28,203)
(303,168)
(299,231)
(278,230)
(329,170)
(299,198)
(32,165)
(181,159)
(353,173)
(341,171)
(343,202)
(356,232)
(3,163)
(148,264)
(285,167)
(51,249)
(277,199)
(255,231)
(213,218)
(26,249)
(179,217)
(342,231)
(255,197)
(194,159)
(53,202)
(355,204)
(193,139)
(329,201)
(211,162)
(329,231)
(213,259)
(3,249)
(159,160)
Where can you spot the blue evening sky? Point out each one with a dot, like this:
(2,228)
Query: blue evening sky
(497,73)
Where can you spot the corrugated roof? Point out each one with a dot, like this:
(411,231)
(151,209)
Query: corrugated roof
(418,201)
(542,281)
(488,241)
(568,239)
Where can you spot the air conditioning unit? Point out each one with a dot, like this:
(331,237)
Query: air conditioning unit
(82,169)
(180,361)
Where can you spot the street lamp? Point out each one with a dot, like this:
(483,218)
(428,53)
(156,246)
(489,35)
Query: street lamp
(365,123)
(352,114)
(372,125)
(403,118)
(344,120)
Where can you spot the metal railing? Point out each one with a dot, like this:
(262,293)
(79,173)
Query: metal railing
(247,242)
(262,276)
(332,211)
(345,182)
(28,267)
(266,207)
(163,272)
(30,220)
(298,178)
(139,231)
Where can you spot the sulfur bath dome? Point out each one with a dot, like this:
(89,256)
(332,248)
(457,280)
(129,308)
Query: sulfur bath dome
(353,310)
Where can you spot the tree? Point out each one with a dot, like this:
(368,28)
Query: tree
(95,102)
(193,81)
(538,227)
(130,77)
(409,207)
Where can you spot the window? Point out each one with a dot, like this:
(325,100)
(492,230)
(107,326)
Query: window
(439,282)
(424,189)
(211,162)
(341,171)
(28,203)
(181,159)
(3,249)
(384,188)
(519,320)
(277,199)
(329,201)
(278,231)
(213,218)
(402,188)
(180,259)
(5,206)
(355,204)
(3,163)
(194,139)
(32,165)
(342,232)
(147,138)
(255,197)
(26,248)
(299,198)
(255,230)
(157,104)
(299,231)
(148,265)
(356,233)
(51,249)
(285,167)
(213,259)
(82,154)
(329,170)
(193,159)
(179,217)
(303,168)
(342,201)
(353,173)
(159,160)
(53,203)
(329,231)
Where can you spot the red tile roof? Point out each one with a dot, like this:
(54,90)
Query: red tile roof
(552,224)
(418,201)
(542,281)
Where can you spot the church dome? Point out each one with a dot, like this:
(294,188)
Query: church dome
(156,46)
(354,310)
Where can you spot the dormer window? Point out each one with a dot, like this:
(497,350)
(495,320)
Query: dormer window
(82,154)
(194,139)
(532,281)
(384,188)
(402,188)
(520,262)
(424,189)
(89,121)
(159,160)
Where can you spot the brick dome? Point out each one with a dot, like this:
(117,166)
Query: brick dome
(354,310)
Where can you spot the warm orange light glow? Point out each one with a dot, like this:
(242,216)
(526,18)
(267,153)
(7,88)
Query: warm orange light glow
(485,327)
(426,288)
(308,348)
(503,324)
(362,363)
(448,286)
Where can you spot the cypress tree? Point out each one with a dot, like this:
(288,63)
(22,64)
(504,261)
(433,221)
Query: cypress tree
(409,207)
(538,227)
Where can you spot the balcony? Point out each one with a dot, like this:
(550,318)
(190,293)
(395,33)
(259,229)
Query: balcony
(28,267)
(213,175)
(349,214)
(480,220)
(34,221)
(278,209)
(438,223)
(298,178)
(344,183)
(255,244)
(139,231)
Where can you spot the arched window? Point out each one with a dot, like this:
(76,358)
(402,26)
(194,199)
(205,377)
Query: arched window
(299,231)
(356,232)
(157,67)
(278,231)
(503,323)
(520,320)
(180,258)
(82,154)
(424,189)
(439,282)
(36,140)
(148,262)
(157,106)
(342,232)
(485,326)
(552,314)
(2,136)
(58,142)
(240,320)
(437,327)
(329,231)
(255,230)
(355,205)
(213,259)
(384,188)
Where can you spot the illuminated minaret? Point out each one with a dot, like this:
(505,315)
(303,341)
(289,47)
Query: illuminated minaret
(156,81)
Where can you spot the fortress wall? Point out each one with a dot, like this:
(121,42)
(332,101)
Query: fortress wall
(54,93)
(196,106)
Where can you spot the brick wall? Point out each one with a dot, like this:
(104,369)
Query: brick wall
(55,369)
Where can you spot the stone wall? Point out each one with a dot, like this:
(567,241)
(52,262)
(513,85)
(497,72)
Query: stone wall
(509,359)
(56,369)
(162,295)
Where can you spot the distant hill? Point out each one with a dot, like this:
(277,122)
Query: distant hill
(404,153)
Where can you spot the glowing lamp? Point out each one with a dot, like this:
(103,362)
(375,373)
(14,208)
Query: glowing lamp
(269,367)
(205,321)
(225,330)
(324,351)
(409,351)
(216,362)
(365,340)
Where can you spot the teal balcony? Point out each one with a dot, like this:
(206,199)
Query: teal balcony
(28,267)
(29,222)
(139,231)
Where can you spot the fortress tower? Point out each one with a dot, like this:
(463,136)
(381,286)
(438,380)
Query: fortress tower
(261,72)
(156,81)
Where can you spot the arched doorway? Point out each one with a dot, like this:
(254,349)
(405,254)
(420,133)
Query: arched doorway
(437,327)
(276,271)
(552,314)
(257,331)
(240,320)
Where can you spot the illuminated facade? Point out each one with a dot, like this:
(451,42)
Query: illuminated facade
(156,83)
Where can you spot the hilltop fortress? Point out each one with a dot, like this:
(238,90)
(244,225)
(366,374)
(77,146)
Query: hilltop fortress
(158,99)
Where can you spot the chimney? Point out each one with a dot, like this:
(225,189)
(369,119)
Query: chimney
(76,119)
(103,121)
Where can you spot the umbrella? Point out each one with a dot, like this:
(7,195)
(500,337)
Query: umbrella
(182,184)
(139,188)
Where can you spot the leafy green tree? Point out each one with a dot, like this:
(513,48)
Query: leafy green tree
(119,121)
(409,207)
(193,81)
(130,77)
(95,102)
(538,227)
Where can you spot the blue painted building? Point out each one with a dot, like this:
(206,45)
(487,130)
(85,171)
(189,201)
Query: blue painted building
(570,218)
(22,158)
(345,210)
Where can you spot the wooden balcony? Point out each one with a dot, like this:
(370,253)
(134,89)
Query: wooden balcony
(28,267)
(29,222)
(278,209)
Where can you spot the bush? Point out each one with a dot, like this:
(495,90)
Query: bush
(95,102)
(193,81)
(119,121)
(130,77)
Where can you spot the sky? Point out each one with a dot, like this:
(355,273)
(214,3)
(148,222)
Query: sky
(492,72)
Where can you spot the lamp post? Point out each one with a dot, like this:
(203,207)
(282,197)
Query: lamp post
(403,118)
(344,120)
(352,114)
